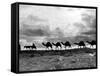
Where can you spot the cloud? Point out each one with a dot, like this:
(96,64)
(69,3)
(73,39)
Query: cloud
(57,32)
(30,32)
(35,32)
(90,20)
(31,20)
(80,27)
(91,32)
(40,23)
(44,31)
(82,38)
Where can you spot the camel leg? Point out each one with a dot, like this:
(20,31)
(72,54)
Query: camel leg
(60,48)
(46,48)
(51,48)
(65,47)
(56,48)
(90,46)
(69,47)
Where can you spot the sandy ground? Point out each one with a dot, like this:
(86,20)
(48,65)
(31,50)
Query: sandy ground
(53,62)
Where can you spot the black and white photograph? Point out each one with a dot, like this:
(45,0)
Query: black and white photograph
(56,38)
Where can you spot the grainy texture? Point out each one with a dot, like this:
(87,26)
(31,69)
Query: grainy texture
(52,62)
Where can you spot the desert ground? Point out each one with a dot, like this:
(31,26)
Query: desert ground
(56,59)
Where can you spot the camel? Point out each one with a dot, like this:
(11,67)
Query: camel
(47,45)
(27,47)
(92,43)
(66,44)
(33,46)
(58,44)
(80,44)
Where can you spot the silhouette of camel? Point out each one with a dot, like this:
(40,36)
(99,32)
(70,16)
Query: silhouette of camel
(80,44)
(27,47)
(66,44)
(92,43)
(58,44)
(33,46)
(47,45)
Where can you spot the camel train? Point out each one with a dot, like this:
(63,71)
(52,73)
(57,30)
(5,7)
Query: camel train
(67,44)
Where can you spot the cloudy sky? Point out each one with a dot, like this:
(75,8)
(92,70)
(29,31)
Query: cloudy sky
(47,23)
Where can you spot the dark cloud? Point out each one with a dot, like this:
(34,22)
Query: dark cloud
(83,38)
(91,32)
(40,30)
(80,26)
(35,32)
(87,18)
(58,32)
(71,39)
(30,32)
(90,20)
(31,20)
(28,39)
